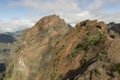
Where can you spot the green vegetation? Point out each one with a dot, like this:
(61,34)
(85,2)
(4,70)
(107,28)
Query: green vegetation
(5,48)
(5,58)
(18,49)
(60,77)
(74,52)
(9,70)
(102,55)
(89,42)
(62,47)
(89,28)
(115,70)
(92,40)
(57,42)
(83,62)
(53,76)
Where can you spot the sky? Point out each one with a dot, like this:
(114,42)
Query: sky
(20,14)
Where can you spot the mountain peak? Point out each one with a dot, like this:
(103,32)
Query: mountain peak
(49,25)
(51,48)
(50,21)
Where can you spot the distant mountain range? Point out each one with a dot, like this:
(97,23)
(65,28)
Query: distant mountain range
(6,38)
(114,27)
(10,37)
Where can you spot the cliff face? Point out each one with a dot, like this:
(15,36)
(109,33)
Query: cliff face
(52,51)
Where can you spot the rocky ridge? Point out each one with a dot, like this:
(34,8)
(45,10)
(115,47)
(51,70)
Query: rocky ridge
(51,50)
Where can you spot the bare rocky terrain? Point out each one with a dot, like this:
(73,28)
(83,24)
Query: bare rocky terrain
(52,50)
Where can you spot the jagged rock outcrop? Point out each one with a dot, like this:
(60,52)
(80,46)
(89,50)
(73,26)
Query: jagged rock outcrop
(114,29)
(52,51)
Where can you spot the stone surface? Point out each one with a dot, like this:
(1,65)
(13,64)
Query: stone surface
(52,51)
(114,51)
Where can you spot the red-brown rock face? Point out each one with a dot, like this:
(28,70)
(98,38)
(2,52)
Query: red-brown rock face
(52,25)
(52,51)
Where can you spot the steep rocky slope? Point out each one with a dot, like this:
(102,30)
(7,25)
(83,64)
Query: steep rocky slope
(52,51)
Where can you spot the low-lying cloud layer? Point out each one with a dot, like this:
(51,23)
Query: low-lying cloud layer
(15,25)
(73,11)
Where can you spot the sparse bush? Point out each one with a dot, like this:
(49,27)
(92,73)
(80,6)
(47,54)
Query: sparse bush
(116,67)
(115,70)
(53,76)
(102,56)
(89,41)
(57,42)
(60,77)
(93,40)
(74,53)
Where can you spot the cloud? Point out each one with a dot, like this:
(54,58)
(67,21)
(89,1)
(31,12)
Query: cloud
(96,5)
(99,5)
(73,18)
(15,24)
(73,11)
(48,5)
(91,8)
